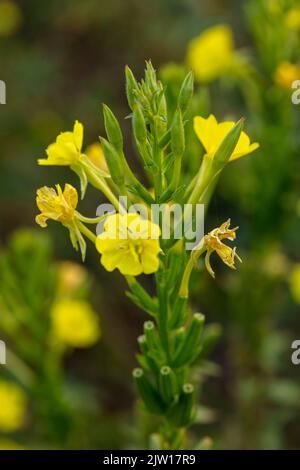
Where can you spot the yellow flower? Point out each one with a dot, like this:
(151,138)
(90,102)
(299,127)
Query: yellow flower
(286,73)
(292,19)
(130,244)
(10,17)
(67,148)
(294,282)
(60,205)
(71,276)
(211,133)
(210,54)
(75,323)
(56,204)
(6,444)
(95,153)
(13,407)
(208,244)
(213,242)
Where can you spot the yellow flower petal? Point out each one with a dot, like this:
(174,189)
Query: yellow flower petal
(78,135)
(56,204)
(13,407)
(74,323)
(213,242)
(210,54)
(66,150)
(211,134)
(129,244)
(95,153)
(150,261)
(286,73)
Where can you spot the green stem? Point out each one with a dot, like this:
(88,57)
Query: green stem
(195,255)
(163,313)
(90,220)
(98,183)
(87,232)
(203,179)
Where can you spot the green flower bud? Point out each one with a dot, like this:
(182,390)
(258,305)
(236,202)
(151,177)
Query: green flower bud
(139,125)
(186,92)
(167,384)
(182,413)
(228,145)
(190,345)
(151,335)
(142,344)
(148,393)
(113,129)
(131,87)
(114,162)
(179,337)
(150,77)
(162,115)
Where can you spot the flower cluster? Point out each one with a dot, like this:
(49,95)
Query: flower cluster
(134,245)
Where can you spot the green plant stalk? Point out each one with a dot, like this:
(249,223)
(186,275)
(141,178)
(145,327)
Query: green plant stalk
(87,232)
(157,154)
(98,183)
(163,313)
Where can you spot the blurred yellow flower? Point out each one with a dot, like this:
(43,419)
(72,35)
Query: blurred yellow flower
(210,54)
(10,17)
(294,281)
(71,276)
(274,7)
(130,244)
(292,19)
(286,73)
(13,404)
(95,153)
(275,263)
(56,204)
(213,242)
(211,133)
(6,444)
(75,323)
(67,148)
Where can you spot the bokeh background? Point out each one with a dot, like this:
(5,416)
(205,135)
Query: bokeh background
(62,59)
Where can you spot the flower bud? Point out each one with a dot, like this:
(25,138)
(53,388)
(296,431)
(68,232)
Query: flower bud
(151,334)
(150,77)
(167,384)
(142,343)
(227,146)
(113,129)
(148,393)
(182,413)
(186,92)
(139,125)
(114,163)
(191,343)
(131,87)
